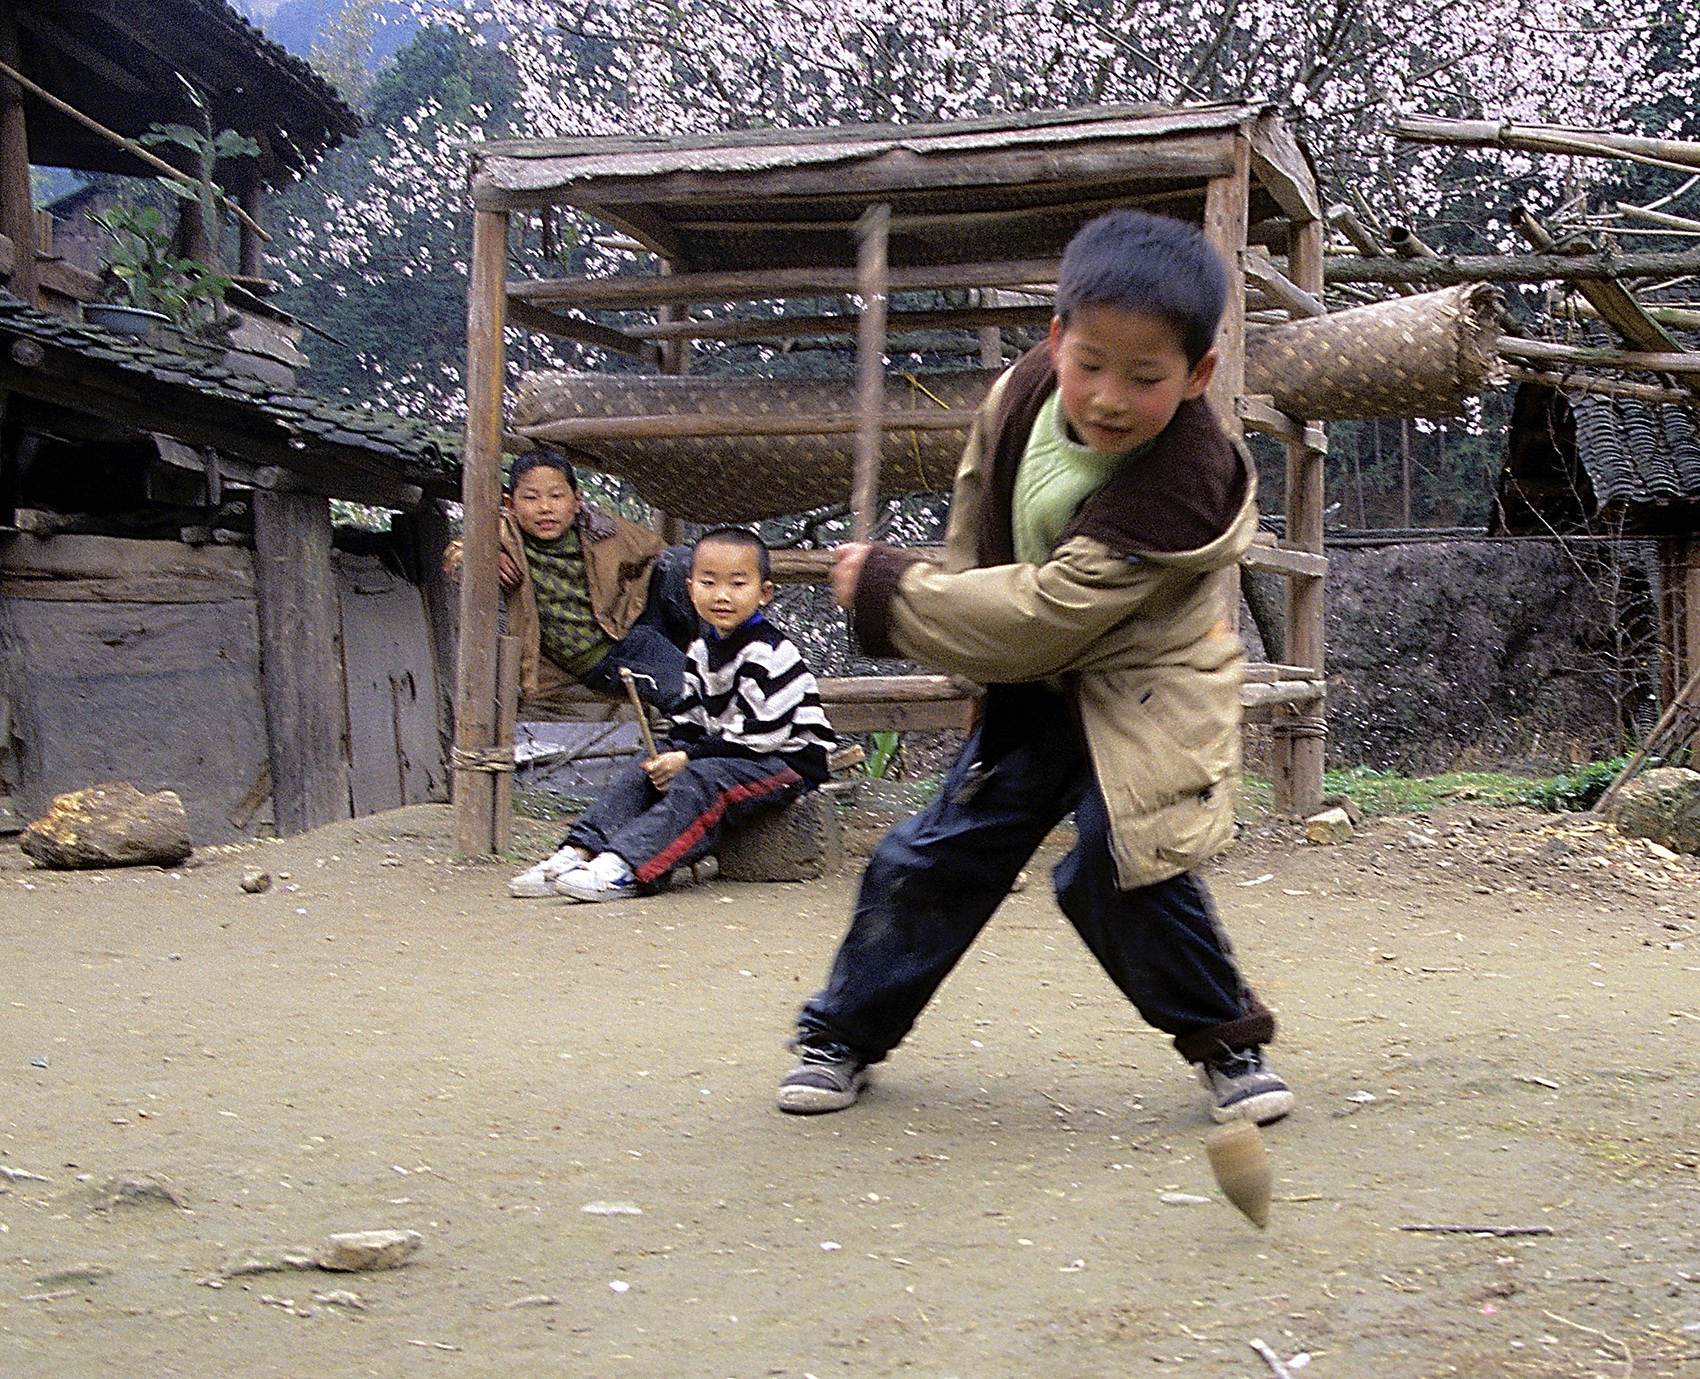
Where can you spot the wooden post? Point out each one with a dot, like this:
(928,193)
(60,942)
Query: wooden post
(1225,203)
(872,281)
(301,670)
(1301,730)
(425,532)
(250,252)
(507,700)
(475,785)
(17,203)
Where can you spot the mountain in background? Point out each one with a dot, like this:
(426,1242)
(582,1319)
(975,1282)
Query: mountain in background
(299,24)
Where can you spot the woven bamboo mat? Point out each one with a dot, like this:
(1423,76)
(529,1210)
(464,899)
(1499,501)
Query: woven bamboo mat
(1418,356)
(1422,355)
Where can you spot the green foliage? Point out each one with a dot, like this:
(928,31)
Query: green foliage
(209,148)
(146,273)
(883,756)
(1578,790)
(1386,792)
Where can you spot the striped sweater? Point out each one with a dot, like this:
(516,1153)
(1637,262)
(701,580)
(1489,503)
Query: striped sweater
(748,694)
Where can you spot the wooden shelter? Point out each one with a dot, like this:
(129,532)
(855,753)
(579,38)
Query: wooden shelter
(975,208)
(175,607)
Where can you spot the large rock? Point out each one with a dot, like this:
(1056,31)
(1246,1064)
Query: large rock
(800,842)
(110,825)
(1662,805)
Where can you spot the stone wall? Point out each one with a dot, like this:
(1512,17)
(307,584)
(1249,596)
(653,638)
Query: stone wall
(1521,655)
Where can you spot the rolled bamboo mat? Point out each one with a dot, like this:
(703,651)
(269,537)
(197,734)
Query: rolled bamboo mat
(746,478)
(1421,356)
(1410,356)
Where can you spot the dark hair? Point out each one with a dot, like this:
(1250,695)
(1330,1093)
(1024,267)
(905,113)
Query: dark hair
(541,458)
(742,537)
(1135,261)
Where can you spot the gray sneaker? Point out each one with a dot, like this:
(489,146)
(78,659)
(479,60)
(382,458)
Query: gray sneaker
(1243,1087)
(828,1077)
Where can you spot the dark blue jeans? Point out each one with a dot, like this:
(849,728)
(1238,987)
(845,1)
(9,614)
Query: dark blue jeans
(654,649)
(935,879)
(657,830)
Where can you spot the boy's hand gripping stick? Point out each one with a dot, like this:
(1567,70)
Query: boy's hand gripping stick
(642,715)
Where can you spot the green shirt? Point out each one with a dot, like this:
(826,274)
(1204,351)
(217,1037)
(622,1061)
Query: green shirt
(567,630)
(1057,474)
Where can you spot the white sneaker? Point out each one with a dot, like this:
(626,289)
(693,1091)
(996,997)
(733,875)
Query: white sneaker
(608,876)
(534,882)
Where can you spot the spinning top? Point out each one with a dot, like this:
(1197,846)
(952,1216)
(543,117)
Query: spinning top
(1242,1167)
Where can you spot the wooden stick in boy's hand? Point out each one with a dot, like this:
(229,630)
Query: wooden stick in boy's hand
(642,717)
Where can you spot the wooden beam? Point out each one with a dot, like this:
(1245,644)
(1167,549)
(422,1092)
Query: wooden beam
(683,289)
(1258,412)
(1308,564)
(592,333)
(1084,167)
(1225,204)
(301,672)
(815,567)
(873,233)
(1280,166)
(1277,288)
(897,323)
(643,225)
(1301,724)
(1287,692)
(17,204)
(684,426)
(476,777)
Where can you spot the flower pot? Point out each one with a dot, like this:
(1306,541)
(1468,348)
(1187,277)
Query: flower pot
(126,320)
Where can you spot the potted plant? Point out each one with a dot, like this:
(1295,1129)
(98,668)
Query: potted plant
(149,286)
(146,274)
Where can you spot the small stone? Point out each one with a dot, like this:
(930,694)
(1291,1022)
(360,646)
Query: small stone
(1330,826)
(358,1251)
(256,882)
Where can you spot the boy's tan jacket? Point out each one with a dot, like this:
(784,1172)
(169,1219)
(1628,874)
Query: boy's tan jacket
(618,558)
(1141,642)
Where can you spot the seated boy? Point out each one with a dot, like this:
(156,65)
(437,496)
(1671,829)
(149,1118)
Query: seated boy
(1097,521)
(747,734)
(587,589)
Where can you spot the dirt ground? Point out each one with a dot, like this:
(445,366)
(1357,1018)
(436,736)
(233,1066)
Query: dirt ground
(1490,1018)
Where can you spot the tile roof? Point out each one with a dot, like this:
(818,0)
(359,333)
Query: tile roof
(1637,452)
(183,390)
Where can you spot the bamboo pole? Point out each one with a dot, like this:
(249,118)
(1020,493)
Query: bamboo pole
(17,208)
(1466,268)
(1601,387)
(873,232)
(1609,297)
(1645,361)
(1677,713)
(1533,138)
(130,146)
(682,289)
